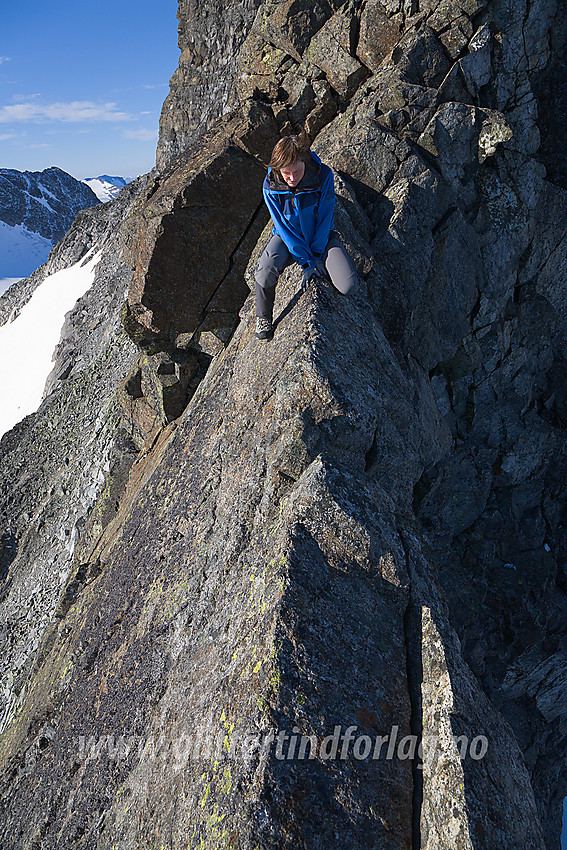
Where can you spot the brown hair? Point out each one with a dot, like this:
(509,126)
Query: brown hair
(289,150)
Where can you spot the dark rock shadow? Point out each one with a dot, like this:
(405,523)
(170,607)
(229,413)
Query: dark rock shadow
(8,554)
(334,664)
(483,771)
(293,301)
(376,205)
(550,89)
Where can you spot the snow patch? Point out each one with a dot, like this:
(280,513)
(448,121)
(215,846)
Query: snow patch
(21,250)
(46,191)
(27,344)
(43,202)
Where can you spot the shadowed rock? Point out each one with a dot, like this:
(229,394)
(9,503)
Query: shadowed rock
(186,235)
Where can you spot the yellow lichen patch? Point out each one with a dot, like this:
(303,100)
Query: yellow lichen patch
(205,795)
(153,595)
(227,781)
(216,817)
(229,730)
(275,681)
(114,665)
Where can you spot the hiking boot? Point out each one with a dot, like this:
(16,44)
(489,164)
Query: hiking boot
(264,328)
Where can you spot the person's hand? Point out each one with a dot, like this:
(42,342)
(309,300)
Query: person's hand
(321,269)
(308,275)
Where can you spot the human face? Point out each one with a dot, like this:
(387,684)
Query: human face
(293,172)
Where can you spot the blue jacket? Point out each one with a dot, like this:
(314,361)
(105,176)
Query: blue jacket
(303,219)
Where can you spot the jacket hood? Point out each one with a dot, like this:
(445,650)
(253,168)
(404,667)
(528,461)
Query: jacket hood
(310,179)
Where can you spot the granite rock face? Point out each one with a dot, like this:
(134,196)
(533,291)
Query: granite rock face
(44,202)
(356,526)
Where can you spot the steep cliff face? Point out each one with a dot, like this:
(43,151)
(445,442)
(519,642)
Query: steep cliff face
(202,88)
(358,525)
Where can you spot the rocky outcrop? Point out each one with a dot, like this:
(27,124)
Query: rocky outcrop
(202,88)
(182,265)
(358,525)
(44,202)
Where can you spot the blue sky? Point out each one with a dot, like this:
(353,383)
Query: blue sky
(82,86)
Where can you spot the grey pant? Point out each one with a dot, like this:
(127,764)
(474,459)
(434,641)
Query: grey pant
(276,258)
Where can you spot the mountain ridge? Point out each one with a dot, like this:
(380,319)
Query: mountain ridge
(36,210)
(358,525)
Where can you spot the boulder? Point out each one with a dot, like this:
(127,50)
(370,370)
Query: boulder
(329,50)
(421,58)
(477,63)
(462,137)
(377,35)
(456,39)
(291,24)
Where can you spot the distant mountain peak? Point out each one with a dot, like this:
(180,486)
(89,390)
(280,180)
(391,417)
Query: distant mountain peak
(105,186)
(36,210)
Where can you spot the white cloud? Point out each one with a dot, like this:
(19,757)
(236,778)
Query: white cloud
(141,135)
(4,59)
(5,136)
(76,111)
(23,97)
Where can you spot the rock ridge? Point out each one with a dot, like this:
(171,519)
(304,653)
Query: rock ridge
(359,524)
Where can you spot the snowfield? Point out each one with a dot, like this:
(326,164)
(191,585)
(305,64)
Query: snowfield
(27,344)
(21,250)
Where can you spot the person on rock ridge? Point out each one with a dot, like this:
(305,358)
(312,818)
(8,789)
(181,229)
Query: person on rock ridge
(299,191)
